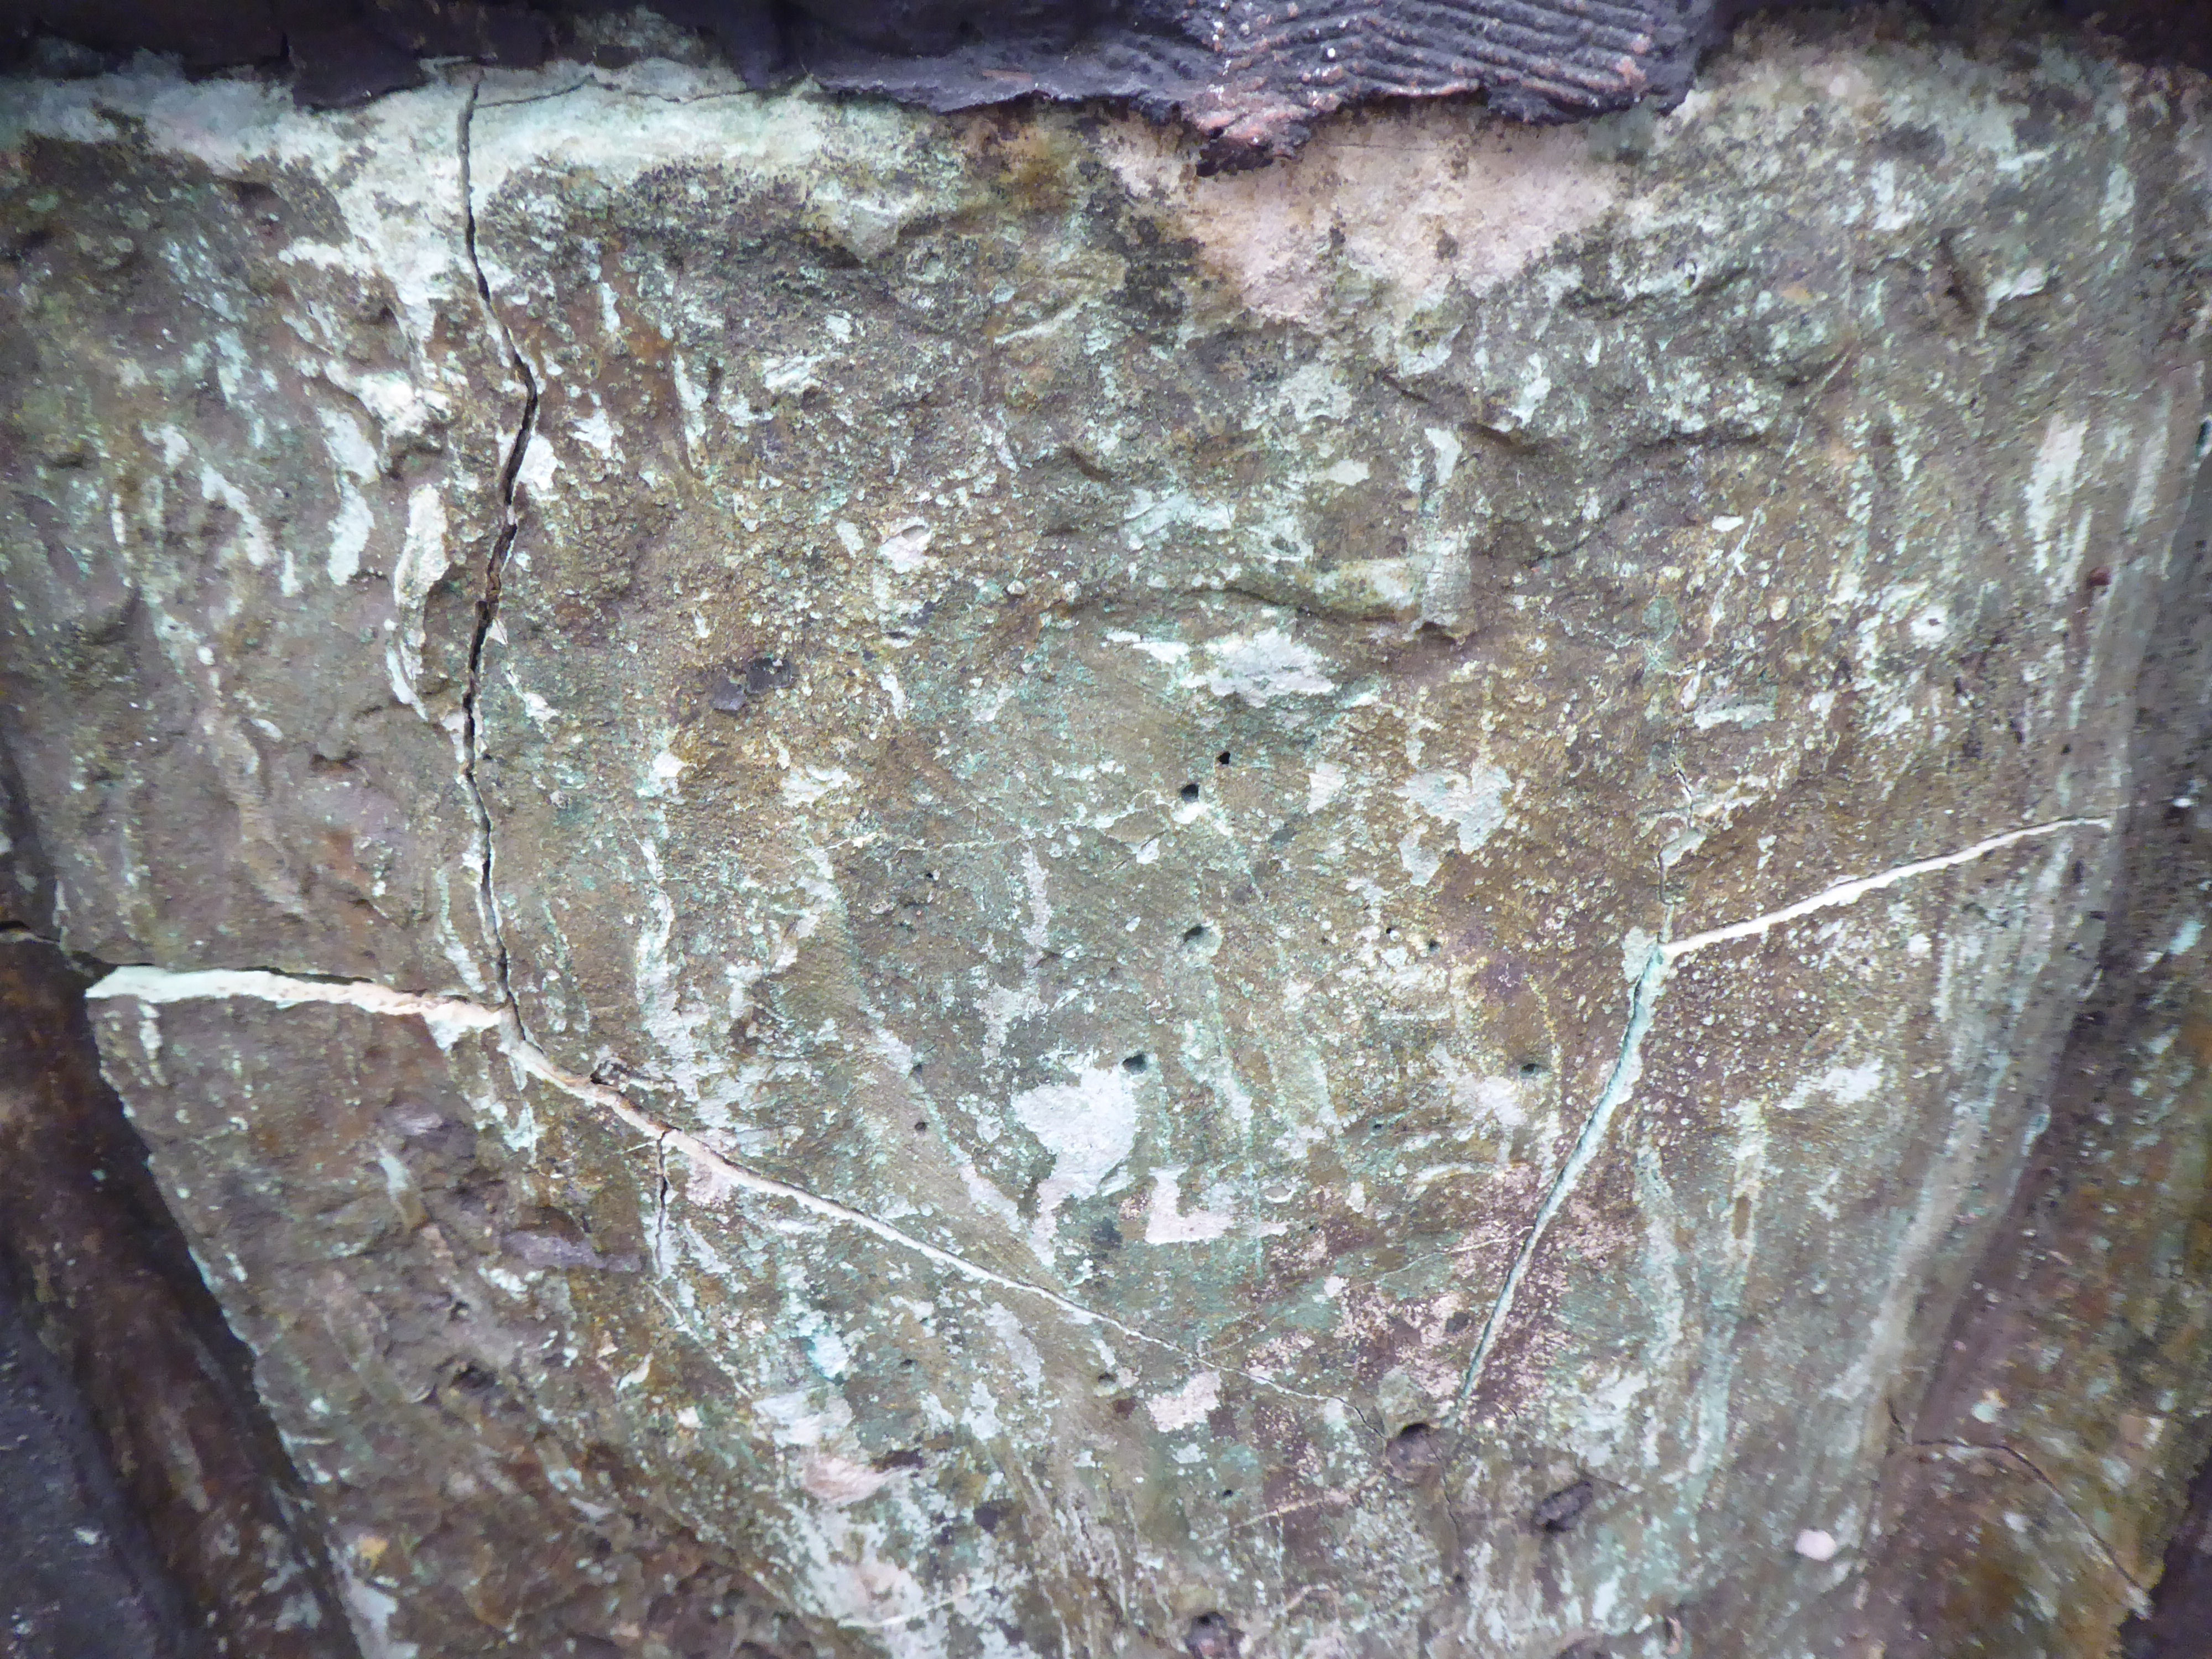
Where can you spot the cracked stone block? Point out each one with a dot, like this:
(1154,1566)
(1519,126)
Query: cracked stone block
(503,1430)
(1324,912)
(255,433)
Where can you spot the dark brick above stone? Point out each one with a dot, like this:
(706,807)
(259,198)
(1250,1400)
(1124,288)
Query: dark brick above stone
(1252,75)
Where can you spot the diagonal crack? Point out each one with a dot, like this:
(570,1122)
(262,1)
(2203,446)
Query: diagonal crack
(495,571)
(2138,1596)
(452,1018)
(1628,1065)
(1851,892)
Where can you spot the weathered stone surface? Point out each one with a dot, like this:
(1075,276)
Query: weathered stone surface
(250,366)
(460,1348)
(1317,913)
(2065,1410)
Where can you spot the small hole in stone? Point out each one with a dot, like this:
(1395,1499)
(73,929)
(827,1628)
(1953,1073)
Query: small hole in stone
(1194,933)
(1560,1512)
(1415,1452)
(1136,1062)
(922,1125)
(1222,758)
(1532,1068)
(1213,1636)
(1190,792)
(1433,946)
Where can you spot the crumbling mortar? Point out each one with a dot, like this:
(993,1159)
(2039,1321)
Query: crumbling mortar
(495,572)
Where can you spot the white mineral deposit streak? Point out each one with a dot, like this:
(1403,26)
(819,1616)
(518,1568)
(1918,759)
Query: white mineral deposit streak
(450,1018)
(1851,892)
(1650,980)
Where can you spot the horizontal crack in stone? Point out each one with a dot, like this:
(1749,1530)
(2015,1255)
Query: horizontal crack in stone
(452,1018)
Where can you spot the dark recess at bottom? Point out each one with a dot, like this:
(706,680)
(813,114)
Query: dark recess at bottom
(2180,1622)
(146,1504)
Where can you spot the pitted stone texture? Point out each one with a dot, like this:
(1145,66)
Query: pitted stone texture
(252,443)
(461,1351)
(1053,498)
(1140,731)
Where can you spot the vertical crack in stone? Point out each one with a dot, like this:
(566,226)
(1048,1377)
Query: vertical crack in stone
(661,1205)
(495,571)
(1628,1065)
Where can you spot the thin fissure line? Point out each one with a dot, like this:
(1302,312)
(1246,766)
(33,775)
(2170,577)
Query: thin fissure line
(660,1208)
(516,1041)
(1628,1065)
(2138,1594)
(963,1593)
(457,1015)
(1851,892)
(599,83)
(495,568)
(535,1061)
